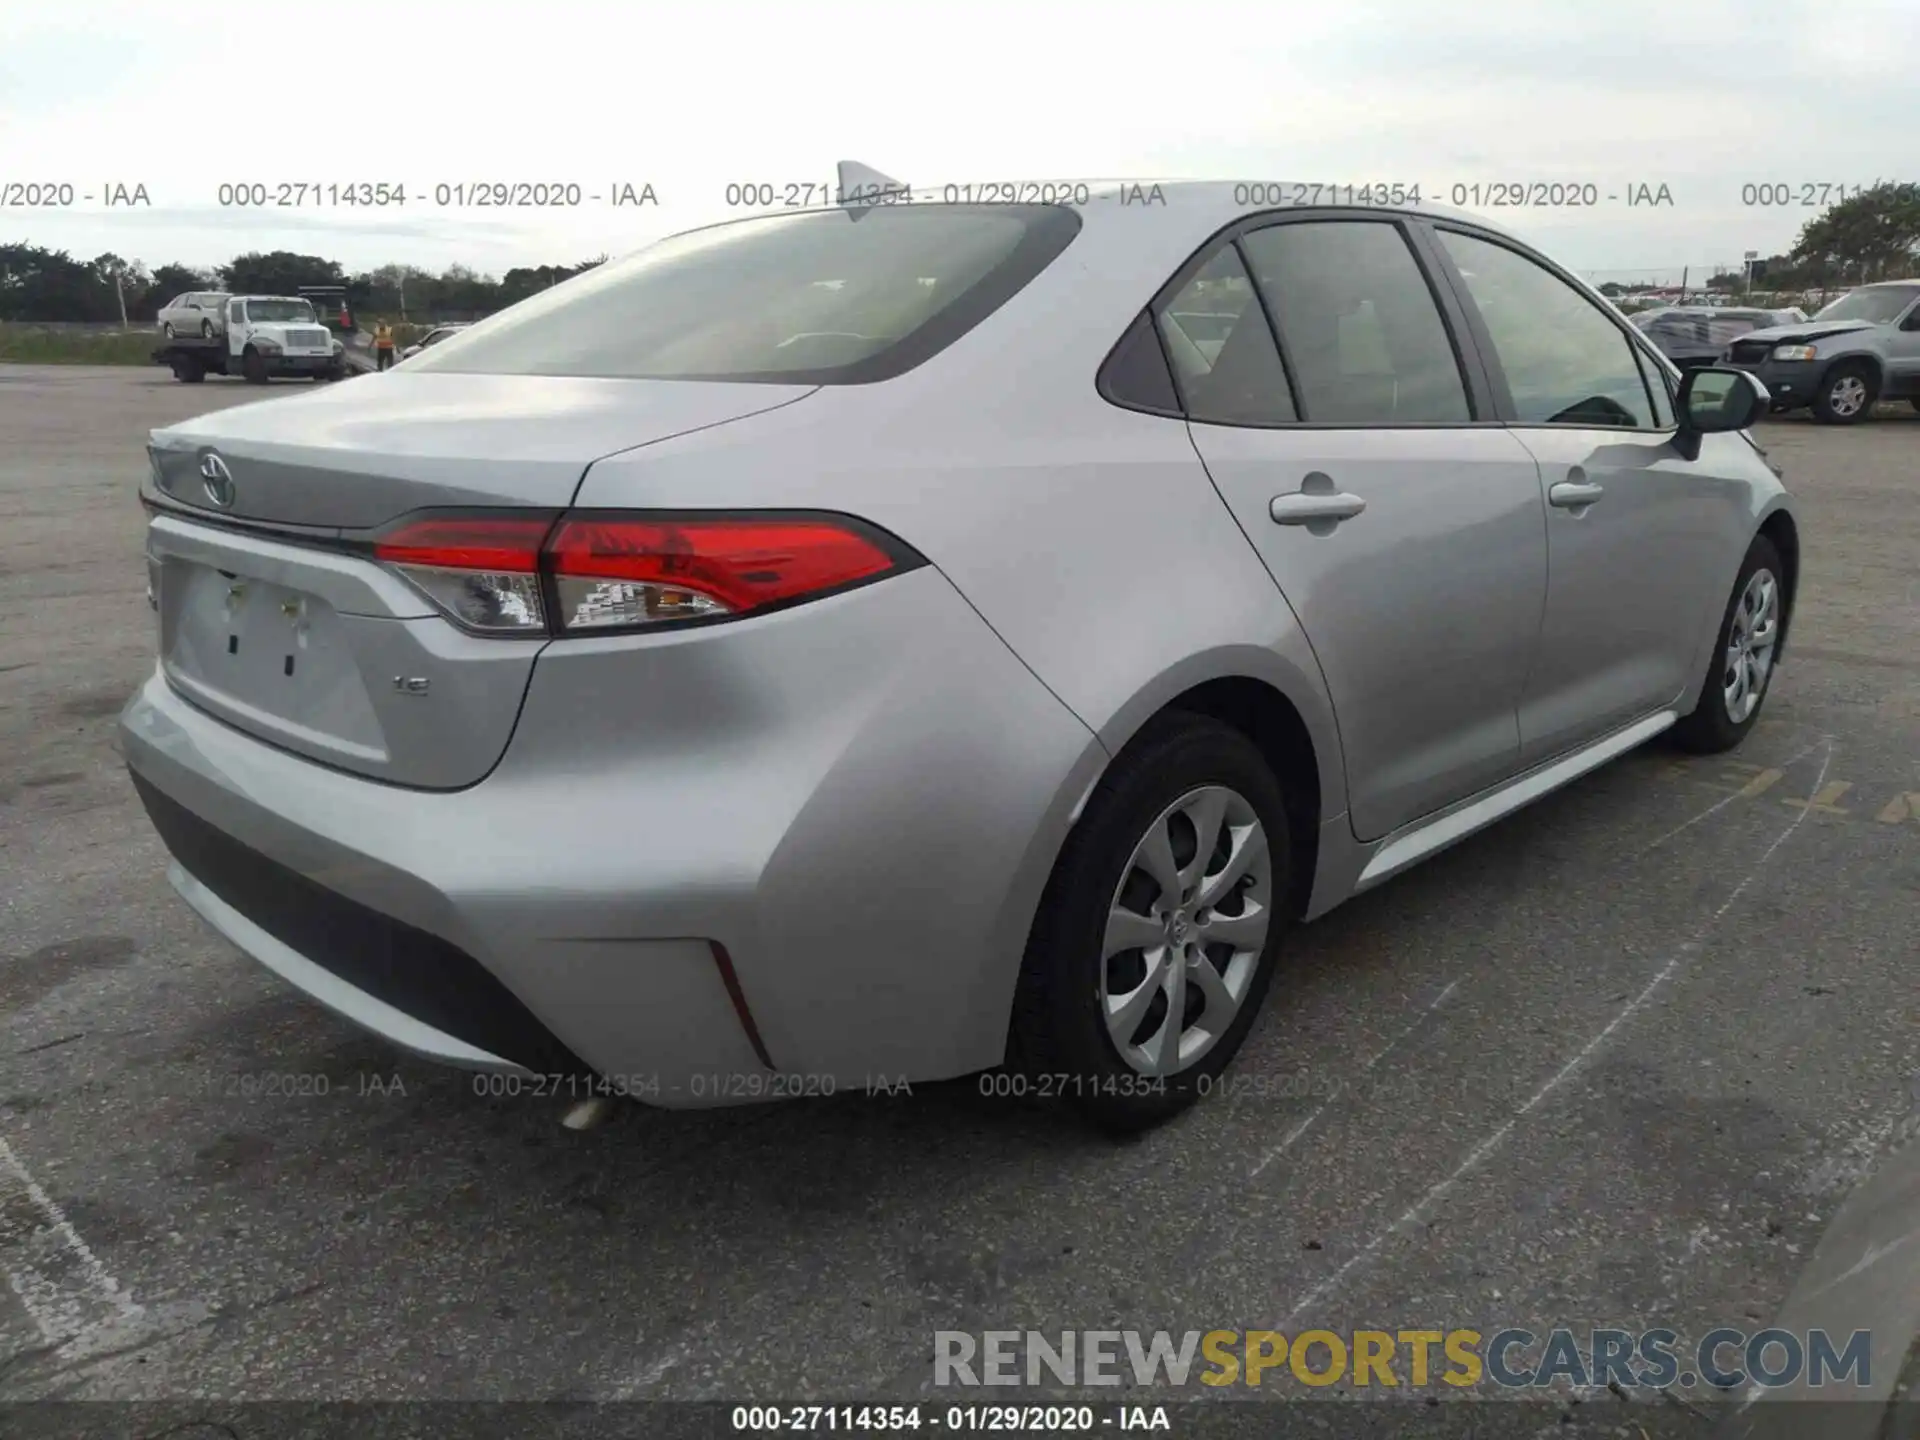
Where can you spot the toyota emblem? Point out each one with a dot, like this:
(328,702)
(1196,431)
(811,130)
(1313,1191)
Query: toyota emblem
(217,480)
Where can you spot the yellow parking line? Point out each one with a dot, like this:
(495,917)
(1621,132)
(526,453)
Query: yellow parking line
(1901,807)
(1762,781)
(1823,798)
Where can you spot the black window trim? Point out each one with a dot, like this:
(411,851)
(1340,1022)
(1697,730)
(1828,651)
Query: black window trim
(1483,338)
(1651,364)
(1274,332)
(1475,375)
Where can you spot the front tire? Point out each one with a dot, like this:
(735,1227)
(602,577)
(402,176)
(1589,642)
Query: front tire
(1741,666)
(1847,394)
(253,365)
(1159,932)
(167,330)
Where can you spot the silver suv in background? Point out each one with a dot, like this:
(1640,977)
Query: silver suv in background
(1861,349)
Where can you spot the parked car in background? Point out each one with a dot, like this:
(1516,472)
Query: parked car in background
(199,313)
(832,727)
(1694,335)
(432,337)
(1863,348)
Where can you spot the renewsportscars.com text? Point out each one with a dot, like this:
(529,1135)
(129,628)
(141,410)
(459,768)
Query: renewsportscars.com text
(1723,1359)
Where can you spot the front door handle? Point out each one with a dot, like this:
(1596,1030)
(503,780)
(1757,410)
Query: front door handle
(1305,508)
(1573,495)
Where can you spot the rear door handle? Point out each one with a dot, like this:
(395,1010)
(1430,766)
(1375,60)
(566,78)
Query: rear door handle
(1573,495)
(1304,508)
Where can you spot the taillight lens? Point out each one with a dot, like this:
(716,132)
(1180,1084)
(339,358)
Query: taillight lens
(484,571)
(619,571)
(615,571)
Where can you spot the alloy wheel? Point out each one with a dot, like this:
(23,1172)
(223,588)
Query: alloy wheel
(1848,395)
(1750,645)
(1185,931)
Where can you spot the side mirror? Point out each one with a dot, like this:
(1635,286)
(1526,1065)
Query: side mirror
(1715,398)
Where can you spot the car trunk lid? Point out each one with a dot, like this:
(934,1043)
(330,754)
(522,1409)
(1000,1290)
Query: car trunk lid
(355,456)
(274,617)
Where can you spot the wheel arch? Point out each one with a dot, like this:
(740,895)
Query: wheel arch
(1281,710)
(1291,727)
(1867,360)
(1780,527)
(1274,724)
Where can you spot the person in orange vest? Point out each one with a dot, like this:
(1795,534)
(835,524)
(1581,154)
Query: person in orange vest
(382,344)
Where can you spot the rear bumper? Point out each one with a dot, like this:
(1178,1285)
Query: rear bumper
(859,800)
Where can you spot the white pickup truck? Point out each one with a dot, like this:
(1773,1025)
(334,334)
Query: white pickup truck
(260,336)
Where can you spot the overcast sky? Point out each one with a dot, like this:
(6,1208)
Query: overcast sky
(1701,97)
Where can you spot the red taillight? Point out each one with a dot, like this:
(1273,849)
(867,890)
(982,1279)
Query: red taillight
(483,570)
(622,570)
(476,542)
(613,571)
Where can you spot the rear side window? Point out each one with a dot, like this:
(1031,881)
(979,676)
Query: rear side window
(1222,351)
(820,298)
(1566,363)
(1136,374)
(1360,324)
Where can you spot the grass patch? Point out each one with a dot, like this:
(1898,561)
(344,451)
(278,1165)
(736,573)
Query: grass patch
(27,344)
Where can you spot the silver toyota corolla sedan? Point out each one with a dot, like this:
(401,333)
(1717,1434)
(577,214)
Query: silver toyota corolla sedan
(896,640)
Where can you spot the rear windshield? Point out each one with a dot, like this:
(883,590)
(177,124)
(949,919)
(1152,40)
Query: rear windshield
(819,298)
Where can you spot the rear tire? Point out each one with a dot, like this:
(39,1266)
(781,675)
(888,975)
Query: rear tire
(1915,402)
(1847,394)
(1721,718)
(1076,1006)
(206,329)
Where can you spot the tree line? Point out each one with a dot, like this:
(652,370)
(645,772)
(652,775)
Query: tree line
(38,284)
(1872,235)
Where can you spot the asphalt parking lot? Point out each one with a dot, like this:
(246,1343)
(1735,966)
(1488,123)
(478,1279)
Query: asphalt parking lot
(1613,1062)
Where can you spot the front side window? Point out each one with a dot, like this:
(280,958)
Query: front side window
(1566,363)
(1361,328)
(237,312)
(835,297)
(1225,363)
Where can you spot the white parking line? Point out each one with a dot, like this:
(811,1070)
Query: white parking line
(1307,1124)
(61,1282)
(1419,1211)
(1717,807)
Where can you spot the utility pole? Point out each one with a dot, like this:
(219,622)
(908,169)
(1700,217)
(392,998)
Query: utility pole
(120,294)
